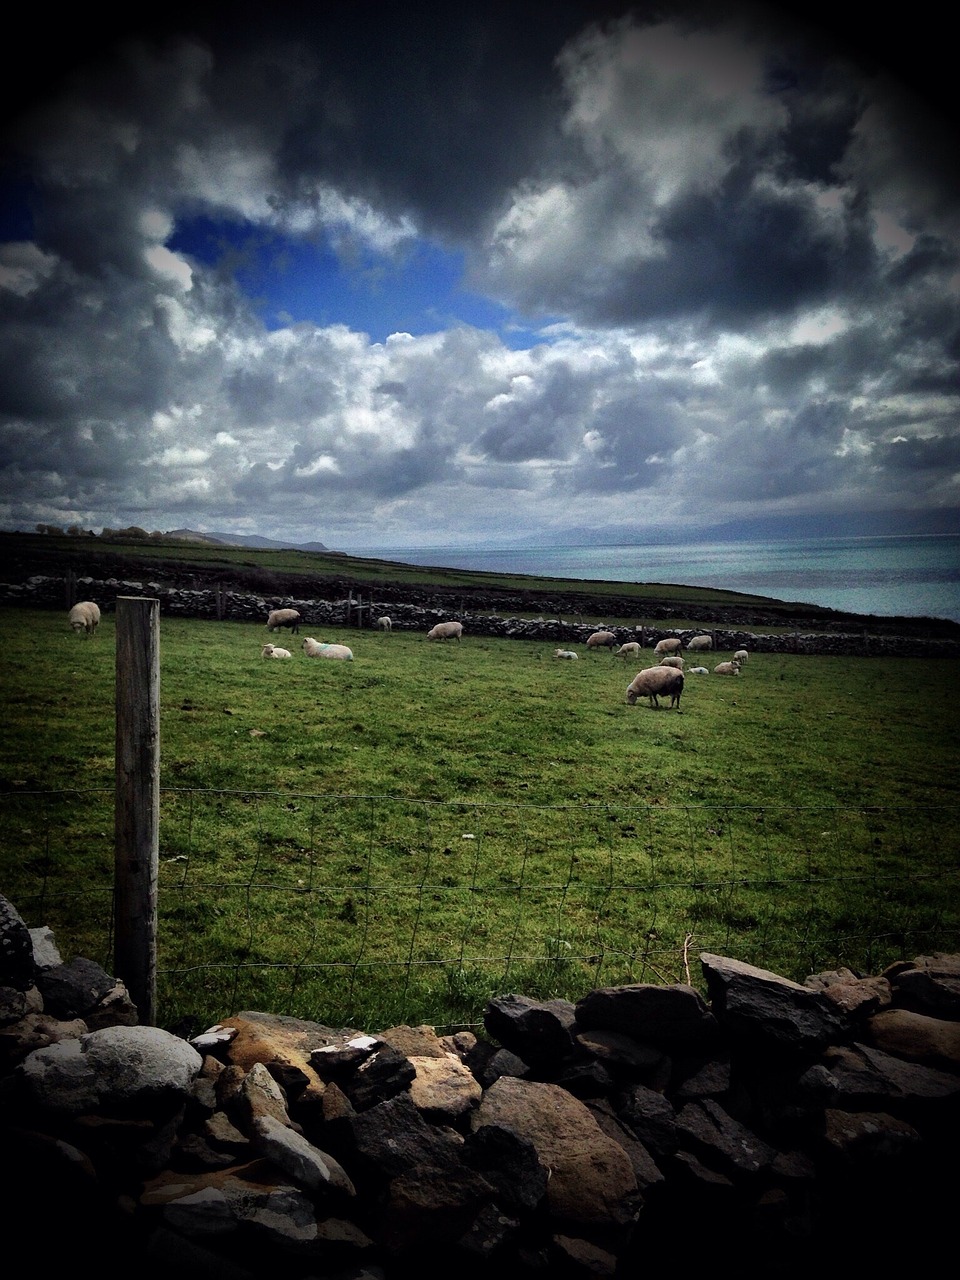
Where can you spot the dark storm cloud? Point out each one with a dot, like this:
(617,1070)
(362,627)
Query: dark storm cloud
(737,231)
(434,110)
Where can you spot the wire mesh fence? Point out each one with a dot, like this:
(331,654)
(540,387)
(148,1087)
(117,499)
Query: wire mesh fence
(371,910)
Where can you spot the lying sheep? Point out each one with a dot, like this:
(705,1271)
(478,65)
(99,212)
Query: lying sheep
(274,651)
(601,640)
(699,671)
(85,617)
(565,653)
(278,618)
(672,660)
(741,656)
(630,649)
(654,683)
(384,623)
(698,643)
(317,649)
(446,631)
(731,668)
(672,644)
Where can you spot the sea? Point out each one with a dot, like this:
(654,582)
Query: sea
(915,576)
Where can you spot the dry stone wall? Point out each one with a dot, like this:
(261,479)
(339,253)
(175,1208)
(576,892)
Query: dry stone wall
(354,610)
(767,1126)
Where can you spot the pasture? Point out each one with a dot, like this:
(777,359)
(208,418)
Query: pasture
(400,837)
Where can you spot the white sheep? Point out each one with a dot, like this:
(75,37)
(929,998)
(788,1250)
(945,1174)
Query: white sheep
(672,660)
(601,640)
(731,668)
(85,617)
(384,623)
(317,649)
(699,671)
(278,618)
(446,631)
(672,644)
(654,683)
(741,656)
(565,653)
(698,643)
(630,649)
(274,651)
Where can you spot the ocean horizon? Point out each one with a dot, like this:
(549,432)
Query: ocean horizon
(910,576)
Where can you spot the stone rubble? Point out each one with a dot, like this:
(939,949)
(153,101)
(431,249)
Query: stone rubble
(772,1125)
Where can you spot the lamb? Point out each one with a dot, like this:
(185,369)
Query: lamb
(630,649)
(672,644)
(446,631)
(384,623)
(565,653)
(699,671)
(698,643)
(85,617)
(672,660)
(741,656)
(274,651)
(317,649)
(654,683)
(278,618)
(601,639)
(731,668)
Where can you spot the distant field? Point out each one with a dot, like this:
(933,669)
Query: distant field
(401,837)
(276,572)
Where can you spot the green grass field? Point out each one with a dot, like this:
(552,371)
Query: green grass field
(401,837)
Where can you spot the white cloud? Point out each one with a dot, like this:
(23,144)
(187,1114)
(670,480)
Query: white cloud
(664,102)
(24,267)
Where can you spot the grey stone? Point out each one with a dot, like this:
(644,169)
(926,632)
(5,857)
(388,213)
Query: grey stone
(108,1070)
(665,1017)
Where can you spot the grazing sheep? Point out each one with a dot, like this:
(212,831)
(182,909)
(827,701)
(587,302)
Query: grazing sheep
(279,618)
(384,623)
(274,651)
(741,656)
(317,649)
(731,668)
(699,671)
(699,643)
(601,640)
(672,644)
(654,683)
(565,653)
(446,631)
(85,617)
(630,649)
(672,660)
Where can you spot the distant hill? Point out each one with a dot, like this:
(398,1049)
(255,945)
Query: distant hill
(244,540)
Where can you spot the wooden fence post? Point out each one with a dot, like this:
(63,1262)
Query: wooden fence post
(137,805)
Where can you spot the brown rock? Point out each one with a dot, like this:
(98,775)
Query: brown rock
(443,1088)
(283,1045)
(592,1179)
(917,1037)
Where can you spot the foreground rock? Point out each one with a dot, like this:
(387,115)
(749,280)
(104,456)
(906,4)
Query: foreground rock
(773,1124)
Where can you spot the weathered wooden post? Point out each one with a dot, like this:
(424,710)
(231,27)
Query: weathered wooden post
(137,804)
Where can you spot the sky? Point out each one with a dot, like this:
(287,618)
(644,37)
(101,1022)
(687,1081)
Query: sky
(387,276)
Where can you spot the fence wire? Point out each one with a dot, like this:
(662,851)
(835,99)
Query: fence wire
(368,910)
